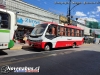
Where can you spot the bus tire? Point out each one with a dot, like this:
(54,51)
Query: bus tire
(47,47)
(74,45)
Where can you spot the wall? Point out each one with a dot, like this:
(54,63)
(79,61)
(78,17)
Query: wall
(31,11)
(86,29)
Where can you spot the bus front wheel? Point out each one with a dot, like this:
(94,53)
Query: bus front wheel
(47,47)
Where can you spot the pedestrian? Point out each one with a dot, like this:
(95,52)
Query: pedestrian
(25,38)
(94,40)
(84,40)
(99,42)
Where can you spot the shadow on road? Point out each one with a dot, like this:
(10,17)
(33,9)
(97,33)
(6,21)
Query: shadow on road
(31,49)
(2,53)
(39,50)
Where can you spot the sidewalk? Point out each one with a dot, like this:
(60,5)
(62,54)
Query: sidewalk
(19,46)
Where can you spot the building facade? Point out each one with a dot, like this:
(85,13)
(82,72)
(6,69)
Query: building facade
(86,29)
(64,20)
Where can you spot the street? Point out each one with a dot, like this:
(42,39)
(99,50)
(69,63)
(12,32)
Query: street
(83,60)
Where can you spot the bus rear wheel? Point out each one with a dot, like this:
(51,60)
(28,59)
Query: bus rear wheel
(47,47)
(74,45)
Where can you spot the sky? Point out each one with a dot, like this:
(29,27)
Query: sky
(86,10)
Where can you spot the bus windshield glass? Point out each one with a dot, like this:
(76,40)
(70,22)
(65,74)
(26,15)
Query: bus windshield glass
(39,29)
(4,20)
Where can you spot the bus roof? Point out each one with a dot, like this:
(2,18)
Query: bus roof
(7,11)
(50,23)
(75,27)
(69,26)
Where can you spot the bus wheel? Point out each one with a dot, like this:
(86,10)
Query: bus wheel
(74,45)
(47,48)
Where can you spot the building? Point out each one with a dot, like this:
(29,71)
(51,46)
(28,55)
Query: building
(86,29)
(95,28)
(28,15)
(64,20)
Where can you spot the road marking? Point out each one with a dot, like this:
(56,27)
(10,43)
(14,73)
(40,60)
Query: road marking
(14,60)
(7,63)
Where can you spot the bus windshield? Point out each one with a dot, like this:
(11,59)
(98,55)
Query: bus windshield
(4,20)
(39,29)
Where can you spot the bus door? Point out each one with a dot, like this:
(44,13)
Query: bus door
(51,34)
(61,38)
(4,30)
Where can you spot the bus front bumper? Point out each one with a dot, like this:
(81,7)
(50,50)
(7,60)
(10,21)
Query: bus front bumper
(39,45)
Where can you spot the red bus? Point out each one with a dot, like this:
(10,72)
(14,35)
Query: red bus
(51,35)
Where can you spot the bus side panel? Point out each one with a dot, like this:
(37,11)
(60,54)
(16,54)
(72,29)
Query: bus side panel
(80,42)
(43,45)
(4,38)
(68,41)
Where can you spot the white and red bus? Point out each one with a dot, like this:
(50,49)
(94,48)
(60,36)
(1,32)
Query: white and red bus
(51,35)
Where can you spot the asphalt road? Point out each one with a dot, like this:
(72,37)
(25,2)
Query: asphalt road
(84,60)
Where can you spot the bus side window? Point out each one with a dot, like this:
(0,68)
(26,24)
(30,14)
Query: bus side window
(72,32)
(82,33)
(68,31)
(53,31)
(65,32)
(75,32)
(78,33)
(61,31)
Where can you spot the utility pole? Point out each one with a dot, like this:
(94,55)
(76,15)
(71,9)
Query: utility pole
(69,12)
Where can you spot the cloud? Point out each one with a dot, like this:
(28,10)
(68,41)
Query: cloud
(45,2)
(91,16)
(83,19)
(98,8)
(88,13)
(93,12)
(78,13)
(97,15)
(92,19)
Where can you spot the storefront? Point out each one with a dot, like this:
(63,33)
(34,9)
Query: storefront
(25,25)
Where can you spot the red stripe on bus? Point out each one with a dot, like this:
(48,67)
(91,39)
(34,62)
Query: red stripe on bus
(68,43)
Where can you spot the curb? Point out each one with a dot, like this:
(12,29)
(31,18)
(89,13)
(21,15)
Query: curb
(20,47)
(16,48)
(87,44)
